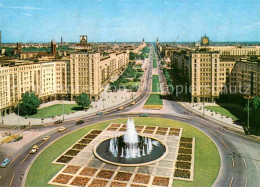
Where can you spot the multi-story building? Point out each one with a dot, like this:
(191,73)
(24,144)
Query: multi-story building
(236,50)
(90,72)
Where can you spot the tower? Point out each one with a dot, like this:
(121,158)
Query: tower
(18,47)
(157,40)
(83,39)
(143,40)
(61,40)
(53,47)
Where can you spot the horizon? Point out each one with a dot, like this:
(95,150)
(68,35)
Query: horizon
(32,21)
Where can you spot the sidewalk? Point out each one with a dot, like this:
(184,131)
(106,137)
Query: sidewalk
(198,107)
(107,100)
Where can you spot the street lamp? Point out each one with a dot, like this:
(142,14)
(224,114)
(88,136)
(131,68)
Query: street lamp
(248,98)
(18,107)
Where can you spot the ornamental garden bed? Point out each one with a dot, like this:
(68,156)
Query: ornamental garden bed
(106,174)
(72,152)
(182,173)
(80,181)
(88,171)
(64,159)
(118,184)
(85,141)
(185,159)
(123,176)
(161,181)
(143,179)
(79,146)
(62,179)
(71,169)
(98,183)
(183,165)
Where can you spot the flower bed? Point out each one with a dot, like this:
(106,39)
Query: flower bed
(64,159)
(106,174)
(71,169)
(62,179)
(183,165)
(80,181)
(72,152)
(85,141)
(98,183)
(79,146)
(118,184)
(91,136)
(143,179)
(88,171)
(185,151)
(184,157)
(161,181)
(185,139)
(123,176)
(186,145)
(182,173)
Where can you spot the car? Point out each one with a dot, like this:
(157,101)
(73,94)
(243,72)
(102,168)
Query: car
(5,162)
(79,122)
(144,115)
(46,138)
(61,129)
(120,108)
(133,103)
(58,122)
(99,113)
(34,149)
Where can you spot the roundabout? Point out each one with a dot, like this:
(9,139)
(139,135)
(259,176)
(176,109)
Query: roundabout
(206,156)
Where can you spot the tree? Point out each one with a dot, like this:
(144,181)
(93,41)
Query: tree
(83,100)
(29,103)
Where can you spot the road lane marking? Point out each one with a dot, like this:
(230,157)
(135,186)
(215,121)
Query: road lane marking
(255,165)
(37,141)
(224,144)
(25,158)
(213,133)
(15,158)
(234,145)
(245,163)
(233,163)
(205,124)
(9,155)
(246,183)
(220,132)
(243,145)
(199,125)
(231,181)
(11,182)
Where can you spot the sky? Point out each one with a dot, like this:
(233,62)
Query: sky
(129,20)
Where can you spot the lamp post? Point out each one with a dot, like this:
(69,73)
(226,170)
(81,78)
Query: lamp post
(248,98)
(63,108)
(18,119)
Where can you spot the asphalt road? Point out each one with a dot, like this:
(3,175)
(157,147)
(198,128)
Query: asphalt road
(242,170)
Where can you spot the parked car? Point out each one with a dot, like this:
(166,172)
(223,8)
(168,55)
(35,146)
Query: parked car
(144,115)
(46,138)
(79,122)
(99,113)
(58,122)
(5,162)
(61,129)
(133,103)
(34,149)
(120,108)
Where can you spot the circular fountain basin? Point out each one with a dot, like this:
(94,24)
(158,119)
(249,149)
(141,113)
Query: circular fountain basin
(159,151)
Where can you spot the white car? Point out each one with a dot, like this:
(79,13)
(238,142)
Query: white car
(62,129)
(46,138)
(34,149)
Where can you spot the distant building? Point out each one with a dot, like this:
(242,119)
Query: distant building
(53,47)
(83,39)
(0,38)
(61,41)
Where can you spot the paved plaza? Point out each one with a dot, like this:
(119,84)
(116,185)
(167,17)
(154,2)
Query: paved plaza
(82,168)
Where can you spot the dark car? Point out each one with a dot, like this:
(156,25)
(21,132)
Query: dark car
(79,122)
(99,113)
(58,122)
(144,115)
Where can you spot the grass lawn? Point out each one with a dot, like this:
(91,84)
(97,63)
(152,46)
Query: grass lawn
(154,63)
(131,83)
(137,66)
(156,84)
(221,110)
(206,154)
(55,110)
(154,99)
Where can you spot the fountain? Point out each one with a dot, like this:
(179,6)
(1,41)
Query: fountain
(130,148)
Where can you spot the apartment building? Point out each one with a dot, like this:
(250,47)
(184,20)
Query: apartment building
(236,50)
(90,72)
(47,80)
